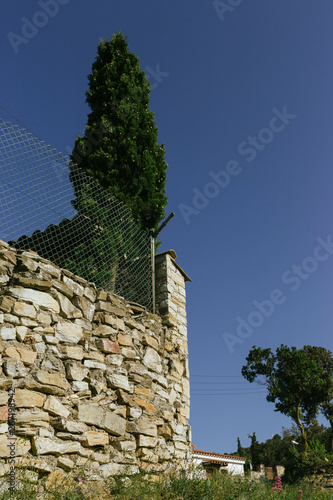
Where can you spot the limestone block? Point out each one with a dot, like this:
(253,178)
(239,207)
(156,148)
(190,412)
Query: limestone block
(3,398)
(40,299)
(114,469)
(50,339)
(57,480)
(40,347)
(4,469)
(45,446)
(91,414)
(10,318)
(86,306)
(35,283)
(3,413)
(24,309)
(94,438)
(146,441)
(144,404)
(147,455)
(3,428)
(104,331)
(20,354)
(128,353)
(72,352)
(36,463)
(11,352)
(90,293)
(24,398)
(158,391)
(1,318)
(94,364)
(102,458)
(108,346)
(152,360)
(6,304)
(56,379)
(67,309)
(78,386)
(142,426)
(63,288)
(5,383)
(33,417)
(149,340)
(44,319)
(75,287)
(125,446)
(165,431)
(45,433)
(134,413)
(114,359)
(73,427)
(75,371)
(19,447)
(68,332)
(7,332)
(143,392)
(114,322)
(179,445)
(125,340)
(117,381)
(95,356)
(186,388)
(15,369)
(65,463)
(30,323)
(54,407)
(84,324)
(114,424)
(177,366)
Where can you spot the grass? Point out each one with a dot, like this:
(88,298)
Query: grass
(148,486)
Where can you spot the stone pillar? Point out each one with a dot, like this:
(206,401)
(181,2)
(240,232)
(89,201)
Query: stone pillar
(170,291)
(171,307)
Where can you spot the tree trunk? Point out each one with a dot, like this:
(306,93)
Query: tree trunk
(301,428)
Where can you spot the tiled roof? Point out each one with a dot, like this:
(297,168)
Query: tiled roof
(218,462)
(218,454)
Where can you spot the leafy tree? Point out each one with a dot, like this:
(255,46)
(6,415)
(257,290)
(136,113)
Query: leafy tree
(324,359)
(119,148)
(298,381)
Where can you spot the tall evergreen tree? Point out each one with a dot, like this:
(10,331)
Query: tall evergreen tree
(119,148)
(240,449)
(255,451)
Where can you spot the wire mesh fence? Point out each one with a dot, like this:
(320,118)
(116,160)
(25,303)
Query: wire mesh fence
(50,206)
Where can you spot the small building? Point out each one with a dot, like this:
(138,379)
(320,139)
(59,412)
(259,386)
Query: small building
(212,462)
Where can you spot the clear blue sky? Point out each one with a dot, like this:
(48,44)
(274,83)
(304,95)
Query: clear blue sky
(244,95)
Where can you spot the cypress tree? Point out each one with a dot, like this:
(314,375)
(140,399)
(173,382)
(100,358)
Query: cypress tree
(119,148)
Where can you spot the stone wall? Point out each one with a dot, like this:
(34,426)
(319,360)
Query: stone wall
(88,379)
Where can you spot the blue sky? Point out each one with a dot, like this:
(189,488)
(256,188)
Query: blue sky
(242,94)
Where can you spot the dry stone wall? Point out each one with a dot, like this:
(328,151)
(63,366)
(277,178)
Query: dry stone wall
(88,379)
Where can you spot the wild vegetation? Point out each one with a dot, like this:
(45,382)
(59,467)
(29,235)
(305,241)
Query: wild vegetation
(175,486)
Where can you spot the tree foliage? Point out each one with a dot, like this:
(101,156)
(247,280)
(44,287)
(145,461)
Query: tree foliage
(255,451)
(298,381)
(119,148)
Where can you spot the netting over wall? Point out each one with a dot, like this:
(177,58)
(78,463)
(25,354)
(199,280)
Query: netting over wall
(58,211)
